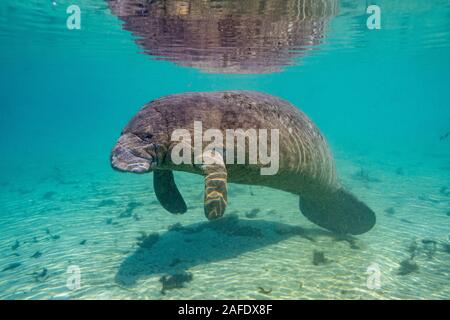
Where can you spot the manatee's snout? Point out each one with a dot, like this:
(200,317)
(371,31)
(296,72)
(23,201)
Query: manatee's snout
(123,160)
(129,155)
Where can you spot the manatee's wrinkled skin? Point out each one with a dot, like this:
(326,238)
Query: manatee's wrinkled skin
(305,159)
(226,36)
(306,166)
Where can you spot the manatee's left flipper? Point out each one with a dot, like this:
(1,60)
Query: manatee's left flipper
(167,192)
(215,201)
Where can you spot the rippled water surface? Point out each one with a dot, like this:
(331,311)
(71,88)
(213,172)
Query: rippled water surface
(381,98)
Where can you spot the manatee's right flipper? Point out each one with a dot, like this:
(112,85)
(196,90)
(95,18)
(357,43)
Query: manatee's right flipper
(167,192)
(215,173)
(339,212)
(215,201)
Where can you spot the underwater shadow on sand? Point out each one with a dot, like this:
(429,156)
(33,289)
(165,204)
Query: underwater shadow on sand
(183,247)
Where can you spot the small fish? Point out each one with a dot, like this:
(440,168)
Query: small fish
(83,242)
(37,254)
(12,266)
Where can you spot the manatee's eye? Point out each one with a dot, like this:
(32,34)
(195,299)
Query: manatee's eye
(147,137)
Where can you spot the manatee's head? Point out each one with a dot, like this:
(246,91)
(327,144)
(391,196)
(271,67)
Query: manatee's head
(135,151)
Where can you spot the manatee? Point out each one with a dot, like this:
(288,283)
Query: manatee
(306,165)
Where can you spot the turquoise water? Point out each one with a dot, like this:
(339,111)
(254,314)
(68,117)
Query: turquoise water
(381,97)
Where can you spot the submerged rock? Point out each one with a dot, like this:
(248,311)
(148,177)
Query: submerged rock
(175,281)
(52,236)
(48,195)
(16,245)
(446,247)
(130,208)
(319,258)
(264,291)
(107,203)
(252,213)
(147,242)
(41,276)
(445,191)
(175,227)
(430,247)
(407,266)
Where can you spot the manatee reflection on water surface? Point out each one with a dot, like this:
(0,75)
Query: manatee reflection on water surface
(226,36)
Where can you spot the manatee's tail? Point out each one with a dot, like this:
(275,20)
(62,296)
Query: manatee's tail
(338,211)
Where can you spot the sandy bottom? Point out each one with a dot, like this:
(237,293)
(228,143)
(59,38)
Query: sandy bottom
(111,227)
